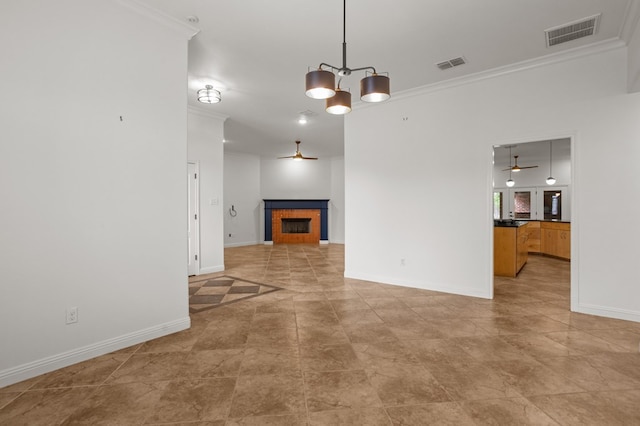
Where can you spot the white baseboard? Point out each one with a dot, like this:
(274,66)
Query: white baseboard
(247,243)
(324,242)
(268,243)
(45,365)
(462,291)
(211,269)
(608,312)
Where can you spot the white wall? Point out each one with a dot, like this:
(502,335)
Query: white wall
(242,191)
(288,179)
(92,182)
(407,201)
(206,130)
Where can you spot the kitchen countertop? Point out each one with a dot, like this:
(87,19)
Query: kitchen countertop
(509,223)
(514,223)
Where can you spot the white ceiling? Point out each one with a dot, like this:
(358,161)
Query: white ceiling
(257,53)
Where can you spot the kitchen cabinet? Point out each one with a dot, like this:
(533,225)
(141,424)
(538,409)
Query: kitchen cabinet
(555,239)
(533,232)
(510,250)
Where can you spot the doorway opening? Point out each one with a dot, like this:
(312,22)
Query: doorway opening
(531,193)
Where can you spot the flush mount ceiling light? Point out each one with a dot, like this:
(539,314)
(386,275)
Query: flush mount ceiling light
(550,180)
(321,83)
(209,95)
(298,155)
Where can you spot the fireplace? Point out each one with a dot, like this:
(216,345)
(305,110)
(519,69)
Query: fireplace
(295,225)
(295,221)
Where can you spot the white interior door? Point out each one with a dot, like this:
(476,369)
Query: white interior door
(192,221)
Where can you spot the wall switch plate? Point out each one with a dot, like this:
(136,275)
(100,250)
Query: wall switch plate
(72,315)
(213,202)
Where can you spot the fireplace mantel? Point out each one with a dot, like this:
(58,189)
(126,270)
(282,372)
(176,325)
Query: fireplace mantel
(322,205)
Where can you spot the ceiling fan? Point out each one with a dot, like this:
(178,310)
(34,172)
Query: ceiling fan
(298,155)
(517,168)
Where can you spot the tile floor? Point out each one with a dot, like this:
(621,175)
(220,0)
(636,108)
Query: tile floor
(326,350)
(207,292)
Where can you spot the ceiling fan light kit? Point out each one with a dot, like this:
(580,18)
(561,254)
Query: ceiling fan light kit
(516,168)
(298,155)
(320,83)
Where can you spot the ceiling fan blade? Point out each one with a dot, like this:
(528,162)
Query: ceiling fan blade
(528,167)
(291,156)
(309,158)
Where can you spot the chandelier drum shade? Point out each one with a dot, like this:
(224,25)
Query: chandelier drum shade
(340,103)
(375,88)
(209,95)
(320,83)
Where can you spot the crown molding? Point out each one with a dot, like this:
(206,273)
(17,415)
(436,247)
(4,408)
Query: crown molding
(206,113)
(543,61)
(163,18)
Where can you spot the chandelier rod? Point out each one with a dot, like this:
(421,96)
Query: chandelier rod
(344,34)
(345,71)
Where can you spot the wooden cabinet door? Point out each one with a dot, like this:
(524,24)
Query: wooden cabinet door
(549,241)
(522,249)
(563,248)
(533,237)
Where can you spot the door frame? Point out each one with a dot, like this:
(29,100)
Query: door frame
(195,270)
(573,216)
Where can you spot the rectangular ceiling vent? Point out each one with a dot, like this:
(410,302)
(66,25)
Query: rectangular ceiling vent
(572,31)
(451,63)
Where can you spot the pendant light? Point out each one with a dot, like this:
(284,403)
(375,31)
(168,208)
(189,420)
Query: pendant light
(320,83)
(510,182)
(550,180)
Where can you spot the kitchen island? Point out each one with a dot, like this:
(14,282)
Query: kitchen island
(510,248)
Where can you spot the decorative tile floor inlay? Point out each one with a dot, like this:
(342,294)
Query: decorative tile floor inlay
(213,292)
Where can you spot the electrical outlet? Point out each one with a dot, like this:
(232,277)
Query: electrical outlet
(72,315)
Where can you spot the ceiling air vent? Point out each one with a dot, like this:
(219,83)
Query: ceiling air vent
(572,31)
(451,63)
